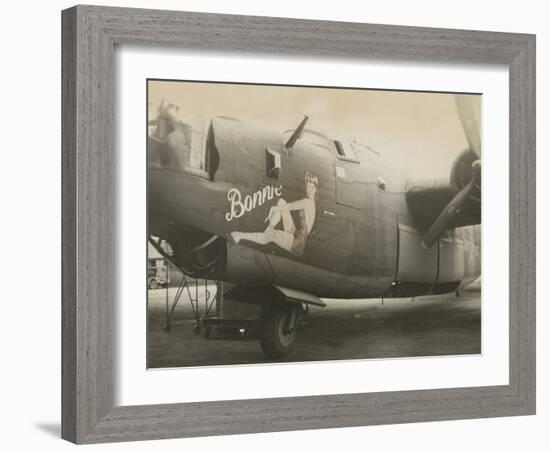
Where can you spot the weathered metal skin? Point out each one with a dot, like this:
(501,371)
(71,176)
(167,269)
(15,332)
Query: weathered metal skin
(364,240)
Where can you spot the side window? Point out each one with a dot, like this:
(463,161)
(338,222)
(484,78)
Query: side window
(345,151)
(272,163)
(339,148)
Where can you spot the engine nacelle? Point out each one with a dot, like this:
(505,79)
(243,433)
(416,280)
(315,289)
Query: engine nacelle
(427,199)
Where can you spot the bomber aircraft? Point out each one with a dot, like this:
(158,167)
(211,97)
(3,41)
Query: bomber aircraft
(295,216)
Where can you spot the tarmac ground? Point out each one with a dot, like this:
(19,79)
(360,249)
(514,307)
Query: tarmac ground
(345,329)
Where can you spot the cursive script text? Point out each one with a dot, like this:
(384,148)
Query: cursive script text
(239,205)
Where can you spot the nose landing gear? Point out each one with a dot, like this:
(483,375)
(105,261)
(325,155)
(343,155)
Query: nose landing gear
(278,328)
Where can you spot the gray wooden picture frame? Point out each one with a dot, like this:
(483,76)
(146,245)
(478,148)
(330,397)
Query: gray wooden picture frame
(90,34)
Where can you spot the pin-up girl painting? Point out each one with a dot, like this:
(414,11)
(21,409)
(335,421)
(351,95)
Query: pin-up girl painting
(294,234)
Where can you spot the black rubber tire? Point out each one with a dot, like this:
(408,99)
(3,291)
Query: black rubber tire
(153,284)
(277,335)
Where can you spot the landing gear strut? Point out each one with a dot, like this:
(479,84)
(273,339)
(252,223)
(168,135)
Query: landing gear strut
(278,328)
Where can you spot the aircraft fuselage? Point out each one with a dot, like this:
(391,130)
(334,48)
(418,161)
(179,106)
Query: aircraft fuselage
(341,226)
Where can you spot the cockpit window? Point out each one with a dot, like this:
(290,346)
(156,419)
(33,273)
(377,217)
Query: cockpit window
(180,144)
(197,149)
(345,150)
(339,148)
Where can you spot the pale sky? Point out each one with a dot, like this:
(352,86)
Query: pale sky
(421,131)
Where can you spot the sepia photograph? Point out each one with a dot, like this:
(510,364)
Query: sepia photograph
(305,223)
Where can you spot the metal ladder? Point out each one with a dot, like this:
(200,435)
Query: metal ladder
(192,287)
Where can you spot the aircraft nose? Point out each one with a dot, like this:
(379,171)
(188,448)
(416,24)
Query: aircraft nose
(188,197)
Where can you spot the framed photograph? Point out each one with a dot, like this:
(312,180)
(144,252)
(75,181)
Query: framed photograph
(277,224)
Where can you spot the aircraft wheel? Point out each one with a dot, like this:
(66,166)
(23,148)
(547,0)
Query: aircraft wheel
(278,329)
(153,284)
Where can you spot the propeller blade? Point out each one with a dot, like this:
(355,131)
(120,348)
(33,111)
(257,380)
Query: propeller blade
(442,222)
(467,106)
